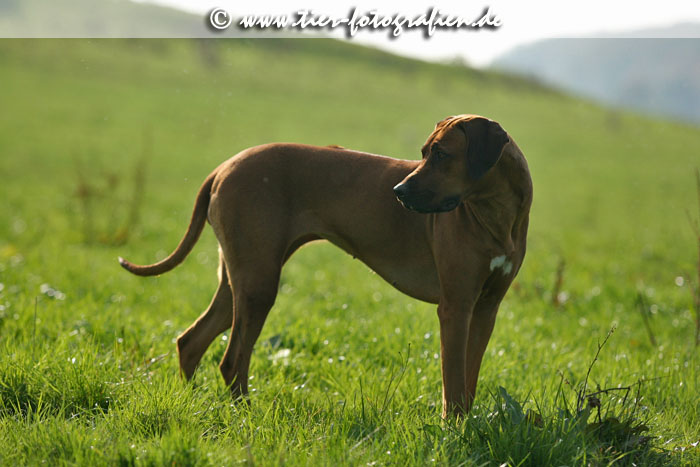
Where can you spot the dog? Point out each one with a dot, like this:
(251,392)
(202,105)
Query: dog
(449,229)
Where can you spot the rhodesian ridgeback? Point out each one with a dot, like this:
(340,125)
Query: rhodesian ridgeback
(455,237)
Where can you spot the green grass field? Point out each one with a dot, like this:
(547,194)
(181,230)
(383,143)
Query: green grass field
(103,145)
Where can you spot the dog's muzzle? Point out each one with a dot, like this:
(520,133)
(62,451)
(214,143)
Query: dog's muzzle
(419,204)
(401,191)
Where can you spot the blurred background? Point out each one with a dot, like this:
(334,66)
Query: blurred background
(613,53)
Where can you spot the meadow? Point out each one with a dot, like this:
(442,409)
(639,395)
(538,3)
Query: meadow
(103,146)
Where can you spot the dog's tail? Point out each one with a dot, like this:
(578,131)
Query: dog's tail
(199,218)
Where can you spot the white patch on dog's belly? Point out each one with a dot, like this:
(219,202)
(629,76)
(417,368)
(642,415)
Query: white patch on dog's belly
(503,263)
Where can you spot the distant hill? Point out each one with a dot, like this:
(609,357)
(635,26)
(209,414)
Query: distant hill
(98,18)
(644,71)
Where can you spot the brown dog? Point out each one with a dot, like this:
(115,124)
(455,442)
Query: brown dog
(459,244)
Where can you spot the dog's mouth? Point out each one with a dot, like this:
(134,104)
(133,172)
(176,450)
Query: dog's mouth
(449,204)
(446,205)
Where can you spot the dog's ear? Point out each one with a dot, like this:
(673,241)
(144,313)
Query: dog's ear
(485,142)
(444,121)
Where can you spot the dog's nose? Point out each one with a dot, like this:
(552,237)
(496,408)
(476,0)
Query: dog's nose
(400,190)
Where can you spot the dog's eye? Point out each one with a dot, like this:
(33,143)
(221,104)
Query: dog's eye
(439,156)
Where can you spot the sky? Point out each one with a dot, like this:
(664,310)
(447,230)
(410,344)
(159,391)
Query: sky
(522,21)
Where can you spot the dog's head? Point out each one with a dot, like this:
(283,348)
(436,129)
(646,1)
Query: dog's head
(458,153)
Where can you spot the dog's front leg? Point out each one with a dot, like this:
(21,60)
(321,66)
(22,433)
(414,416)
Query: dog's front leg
(454,332)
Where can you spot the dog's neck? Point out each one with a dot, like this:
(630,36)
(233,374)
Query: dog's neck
(498,197)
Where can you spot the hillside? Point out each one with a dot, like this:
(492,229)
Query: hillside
(206,100)
(655,75)
(96,18)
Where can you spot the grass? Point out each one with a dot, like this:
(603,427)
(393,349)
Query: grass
(347,368)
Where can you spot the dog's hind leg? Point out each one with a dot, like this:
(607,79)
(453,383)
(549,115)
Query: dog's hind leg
(217,318)
(255,293)
(253,226)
